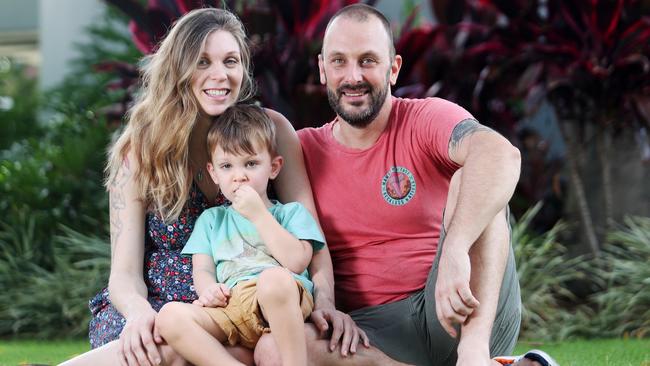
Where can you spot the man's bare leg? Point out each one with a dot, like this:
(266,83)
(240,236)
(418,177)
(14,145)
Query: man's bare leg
(266,353)
(488,257)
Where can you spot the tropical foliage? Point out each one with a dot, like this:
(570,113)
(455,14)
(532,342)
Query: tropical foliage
(18,114)
(51,175)
(500,59)
(589,58)
(49,302)
(545,270)
(625,305)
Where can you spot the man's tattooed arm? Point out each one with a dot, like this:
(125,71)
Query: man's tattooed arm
(463,129)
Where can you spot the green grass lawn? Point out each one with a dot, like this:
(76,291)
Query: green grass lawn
(39,352)
(605,352)
(613,352)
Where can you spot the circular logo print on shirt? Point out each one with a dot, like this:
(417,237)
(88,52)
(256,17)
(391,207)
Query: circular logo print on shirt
(398,186)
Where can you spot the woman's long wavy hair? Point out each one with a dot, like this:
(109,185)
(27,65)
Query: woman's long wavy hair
(162,119)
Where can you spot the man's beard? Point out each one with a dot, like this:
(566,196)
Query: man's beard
(364,117)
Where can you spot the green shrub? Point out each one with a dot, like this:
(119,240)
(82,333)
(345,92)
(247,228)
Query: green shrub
(544,272)
(624,306)
(48,303)
(52,161)
(19,102)
(51,191)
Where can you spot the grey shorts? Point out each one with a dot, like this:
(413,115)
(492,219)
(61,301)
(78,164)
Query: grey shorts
(409,331)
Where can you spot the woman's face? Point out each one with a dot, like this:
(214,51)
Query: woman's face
(218,76)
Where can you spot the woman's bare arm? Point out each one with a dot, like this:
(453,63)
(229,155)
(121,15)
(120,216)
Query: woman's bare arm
(126,287)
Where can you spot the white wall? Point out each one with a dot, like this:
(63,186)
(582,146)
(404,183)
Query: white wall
(62,24)
(18,15)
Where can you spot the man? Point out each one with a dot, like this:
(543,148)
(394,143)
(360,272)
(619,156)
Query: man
(382,173)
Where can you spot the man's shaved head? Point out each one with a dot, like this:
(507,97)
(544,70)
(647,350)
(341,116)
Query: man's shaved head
(362,13)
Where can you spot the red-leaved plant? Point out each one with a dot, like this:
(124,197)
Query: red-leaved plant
(590,58)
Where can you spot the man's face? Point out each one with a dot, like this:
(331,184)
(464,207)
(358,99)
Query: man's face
(357,68)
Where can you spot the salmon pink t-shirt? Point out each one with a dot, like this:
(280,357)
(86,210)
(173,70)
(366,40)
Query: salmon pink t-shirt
(381,207)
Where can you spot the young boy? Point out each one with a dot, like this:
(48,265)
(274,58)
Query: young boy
(259,249)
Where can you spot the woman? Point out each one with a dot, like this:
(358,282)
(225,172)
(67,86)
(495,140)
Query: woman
(158,185)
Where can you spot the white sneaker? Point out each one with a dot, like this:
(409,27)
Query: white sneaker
(534,355)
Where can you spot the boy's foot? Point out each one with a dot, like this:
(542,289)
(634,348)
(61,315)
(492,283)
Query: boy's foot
(531,358)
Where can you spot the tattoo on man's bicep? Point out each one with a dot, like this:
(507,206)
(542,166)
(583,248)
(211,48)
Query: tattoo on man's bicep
(463,129)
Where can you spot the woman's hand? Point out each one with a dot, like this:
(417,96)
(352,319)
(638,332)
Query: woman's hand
(139,340)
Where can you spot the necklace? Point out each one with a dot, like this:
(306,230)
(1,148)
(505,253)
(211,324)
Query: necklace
(199,175)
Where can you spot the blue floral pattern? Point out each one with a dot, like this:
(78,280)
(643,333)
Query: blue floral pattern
(167,274)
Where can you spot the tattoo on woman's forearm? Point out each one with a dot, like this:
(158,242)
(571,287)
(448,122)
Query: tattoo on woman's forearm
(463,129)
(117,200)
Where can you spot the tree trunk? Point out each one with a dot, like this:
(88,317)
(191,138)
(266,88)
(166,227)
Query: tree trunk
(576,181)
(606,174)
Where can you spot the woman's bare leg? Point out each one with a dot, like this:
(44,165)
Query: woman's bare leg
(108,355)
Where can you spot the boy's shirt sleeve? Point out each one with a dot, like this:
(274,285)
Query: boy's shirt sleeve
(297,220)
(199,241)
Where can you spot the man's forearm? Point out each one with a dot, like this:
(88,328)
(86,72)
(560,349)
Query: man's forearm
(322,275)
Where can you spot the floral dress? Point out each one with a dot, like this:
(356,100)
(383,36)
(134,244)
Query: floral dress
(167,274)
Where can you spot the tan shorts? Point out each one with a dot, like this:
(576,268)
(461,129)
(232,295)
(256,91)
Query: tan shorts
(242,320)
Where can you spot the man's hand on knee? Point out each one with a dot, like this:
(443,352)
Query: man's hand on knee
(344,330)
(454,299)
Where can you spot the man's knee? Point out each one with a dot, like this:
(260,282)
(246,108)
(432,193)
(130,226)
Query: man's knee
(267,352)
(170,357)
(315,343)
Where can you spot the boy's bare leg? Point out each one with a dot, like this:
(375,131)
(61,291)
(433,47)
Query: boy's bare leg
(199,339)
(279,299)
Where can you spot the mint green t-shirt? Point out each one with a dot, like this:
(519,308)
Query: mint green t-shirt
(236,246)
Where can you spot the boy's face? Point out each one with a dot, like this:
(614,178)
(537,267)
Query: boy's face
(231,171)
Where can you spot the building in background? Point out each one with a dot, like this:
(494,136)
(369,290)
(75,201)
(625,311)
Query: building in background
(19,31)
(43,33)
